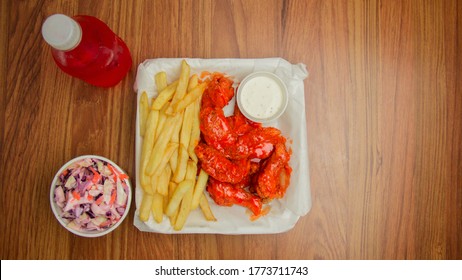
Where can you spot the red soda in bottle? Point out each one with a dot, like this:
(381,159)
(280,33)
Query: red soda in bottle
(86,48)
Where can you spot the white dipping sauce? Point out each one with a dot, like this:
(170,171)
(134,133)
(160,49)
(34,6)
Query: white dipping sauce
(261,97)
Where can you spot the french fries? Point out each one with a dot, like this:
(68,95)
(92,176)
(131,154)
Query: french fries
(161,144)
(182,82)
(171,190)
(145,207)
(144,111)
(161,81)
(163,180)
(164,96)
(186,128)
(175,139)
(146,149)
(186,202)
(205,207)
(171,147)
(178,195)
(199,188)
(194,94)
(168,164)
(193,82)
(182,162)
(195,131)
(157,207)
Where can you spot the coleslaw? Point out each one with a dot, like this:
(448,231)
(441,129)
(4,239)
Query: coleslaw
(91,195)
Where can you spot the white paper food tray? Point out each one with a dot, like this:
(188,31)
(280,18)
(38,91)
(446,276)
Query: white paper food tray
(284,212)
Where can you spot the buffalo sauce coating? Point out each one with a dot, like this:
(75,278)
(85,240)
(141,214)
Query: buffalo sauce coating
(221,168)
(226,194)
(273,178)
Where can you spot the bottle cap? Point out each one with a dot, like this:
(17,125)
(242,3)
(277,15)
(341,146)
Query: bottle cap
(61,32)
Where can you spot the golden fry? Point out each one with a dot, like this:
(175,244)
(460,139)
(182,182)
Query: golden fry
(147,147)
(144,111)
(185,133)
(171,190)
(192,96)
(161,145)
(164,203)
(176,139)
(157,207)
(164,96)
(154,183)
(171,147)
(161,121)
(145,207)
(195,131)
(162,182)
(178,195)
(147,188)
(161,81)
(173,217)
(185,207)
(205,207)
(184,211)
(182,82)
(199,188)
(191,171)
(193,82)
(180,170)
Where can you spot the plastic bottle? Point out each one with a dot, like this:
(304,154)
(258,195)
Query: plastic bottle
(86,48)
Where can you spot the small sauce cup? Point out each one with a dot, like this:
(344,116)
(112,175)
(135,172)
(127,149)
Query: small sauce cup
(262,97)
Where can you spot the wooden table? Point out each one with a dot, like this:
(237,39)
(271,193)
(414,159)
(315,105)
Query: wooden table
(384,123)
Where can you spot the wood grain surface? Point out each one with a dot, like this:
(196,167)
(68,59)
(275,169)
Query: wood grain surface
(384,123)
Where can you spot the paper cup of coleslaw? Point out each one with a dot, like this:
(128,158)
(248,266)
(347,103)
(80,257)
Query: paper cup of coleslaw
(90,196)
